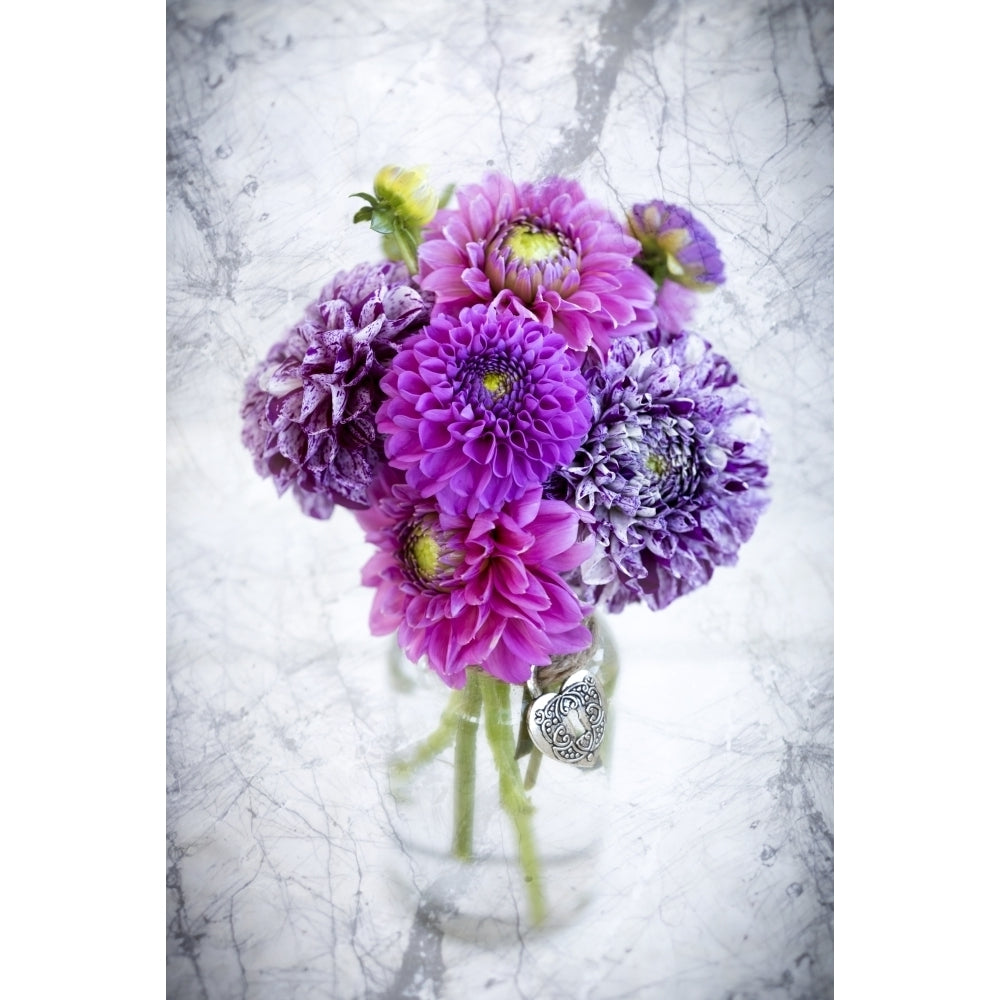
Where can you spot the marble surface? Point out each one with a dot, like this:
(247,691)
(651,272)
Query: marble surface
(718,877)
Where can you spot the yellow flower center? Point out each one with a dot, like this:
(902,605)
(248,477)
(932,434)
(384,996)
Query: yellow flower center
(496,383)
(425,553)
(531,245)
(658,464)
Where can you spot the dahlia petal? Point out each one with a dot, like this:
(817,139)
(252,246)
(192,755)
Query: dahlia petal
(598,568)
(554,531)
(477,282)
(437,254)
(511,575)
(448,289)
(480,214)
(432,435)
(571,640)
(585,301)
(521,647)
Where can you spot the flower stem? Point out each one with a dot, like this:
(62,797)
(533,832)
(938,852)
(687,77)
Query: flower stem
(438,741)
(465,765)
(531,771)
(500,735)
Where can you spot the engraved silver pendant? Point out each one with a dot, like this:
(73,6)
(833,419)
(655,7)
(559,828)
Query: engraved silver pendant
(568,724)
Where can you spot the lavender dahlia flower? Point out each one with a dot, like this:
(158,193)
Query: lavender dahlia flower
(484,590)
(673,472)
(483,407)
(309,409)
(564,257)
(676,246)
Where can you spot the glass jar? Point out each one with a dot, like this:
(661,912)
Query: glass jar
(494,835)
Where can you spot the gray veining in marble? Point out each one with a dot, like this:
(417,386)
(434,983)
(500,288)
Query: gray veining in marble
(718,884)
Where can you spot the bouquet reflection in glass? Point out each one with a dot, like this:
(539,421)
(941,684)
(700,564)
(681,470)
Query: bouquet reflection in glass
(512,404)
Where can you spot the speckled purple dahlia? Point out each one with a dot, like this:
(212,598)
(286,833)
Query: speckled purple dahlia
(482,407)
(484,590)
(673,472)
(309,409)
(562,255)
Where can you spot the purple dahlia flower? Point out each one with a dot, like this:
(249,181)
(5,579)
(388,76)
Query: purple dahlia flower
(484,590)
(482,408)
(309,409)
(673,472)
(563,256)
(676,246)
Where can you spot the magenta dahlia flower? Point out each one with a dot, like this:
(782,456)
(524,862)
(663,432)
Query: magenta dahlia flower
(562,255)
(309,409)
(673,472)
(485,590)
(481,408)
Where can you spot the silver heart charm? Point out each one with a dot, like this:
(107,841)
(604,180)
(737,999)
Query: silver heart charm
(568,725)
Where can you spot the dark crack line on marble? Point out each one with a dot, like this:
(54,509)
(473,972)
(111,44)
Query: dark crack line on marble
(398,973)
(793,231)
(355,920)
(685,117)
(236,947)
(190,180)
(329,840)
(520,932)
(826,88)
(813,713)
(603,170)
(653,34)
(770,260)
(779,83)
(247,785)
(775,30)
(595,82)
(770,255)
(790,780)
(400,979)
(261,840)
(180,927)
(423,960)
(795,802)
(492,22)
(661,143)
(356,716)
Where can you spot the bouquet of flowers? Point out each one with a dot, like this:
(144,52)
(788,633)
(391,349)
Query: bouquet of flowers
(511,402)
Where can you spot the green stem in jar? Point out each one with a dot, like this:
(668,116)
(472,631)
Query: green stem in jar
(433,745)
(465,764)
(513,798)
(531,771)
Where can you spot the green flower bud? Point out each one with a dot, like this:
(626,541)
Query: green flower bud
(403,203)
(407,193)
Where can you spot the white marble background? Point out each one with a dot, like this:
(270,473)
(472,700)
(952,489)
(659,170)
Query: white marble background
(719,881)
